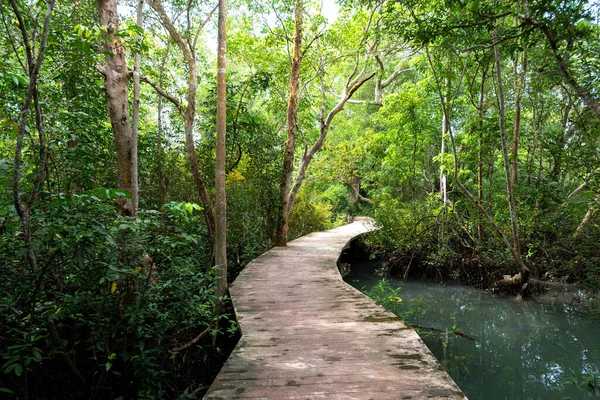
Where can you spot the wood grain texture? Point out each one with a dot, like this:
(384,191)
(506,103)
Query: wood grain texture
(306,334)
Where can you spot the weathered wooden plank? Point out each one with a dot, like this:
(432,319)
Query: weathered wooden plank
(308,335)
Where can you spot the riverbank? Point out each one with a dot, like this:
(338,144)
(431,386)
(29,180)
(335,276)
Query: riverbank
(473,273)
(535,349)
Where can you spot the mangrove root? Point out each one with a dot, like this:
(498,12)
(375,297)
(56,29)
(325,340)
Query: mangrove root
(456,331)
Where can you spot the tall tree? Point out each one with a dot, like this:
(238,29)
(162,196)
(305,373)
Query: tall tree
(159,131)
(519,86)
(188,111)
(292,128)
(354,81)
(514,245)
(220,163)
(34,60)
(116,85)
(515,249)
(135,119)
(443,178)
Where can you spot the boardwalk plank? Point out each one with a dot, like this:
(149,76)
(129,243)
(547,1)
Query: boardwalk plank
(308,335)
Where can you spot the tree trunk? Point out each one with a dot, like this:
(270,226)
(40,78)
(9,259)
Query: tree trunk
(561,140)
(34,63)
(221,199)
(189,116)
(480,112)
(159,150)
(534,127)
(443,179)
(292,126)
(378,91)
(159,157)
(350,89)
(353,83)
(355,196)
(487,214)
(354,191)
(188,113)
(519,83)
(381,84)
(541,159)
(587,217)
(135,120)
(116,80)
(515,249)
(209,211)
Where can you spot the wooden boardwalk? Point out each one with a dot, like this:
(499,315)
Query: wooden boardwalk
(306,334)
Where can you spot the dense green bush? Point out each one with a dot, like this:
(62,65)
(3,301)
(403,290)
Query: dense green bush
(442,242)
(422,233)
(310,214)
(338,196)
(110,300)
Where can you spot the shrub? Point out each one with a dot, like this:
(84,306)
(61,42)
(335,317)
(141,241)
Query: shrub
(309,215)
(110,299)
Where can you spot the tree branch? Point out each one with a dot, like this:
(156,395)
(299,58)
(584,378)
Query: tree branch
(203,24)
(563,67)
(189,344)
(12,42)
(393,76)
(26,43)
(175,101)
(170,27)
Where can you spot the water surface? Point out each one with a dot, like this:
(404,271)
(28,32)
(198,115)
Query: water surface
(530,350)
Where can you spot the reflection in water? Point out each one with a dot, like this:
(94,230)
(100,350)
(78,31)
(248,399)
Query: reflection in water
(524,351)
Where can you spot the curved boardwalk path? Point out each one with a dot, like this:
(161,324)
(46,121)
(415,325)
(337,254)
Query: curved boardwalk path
(309,335)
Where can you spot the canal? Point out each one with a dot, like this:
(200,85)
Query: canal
(530,350)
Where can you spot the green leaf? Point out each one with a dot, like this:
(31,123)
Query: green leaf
(17,79)
(37,356)
(135,30)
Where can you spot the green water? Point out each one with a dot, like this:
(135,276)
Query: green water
(529,350)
